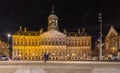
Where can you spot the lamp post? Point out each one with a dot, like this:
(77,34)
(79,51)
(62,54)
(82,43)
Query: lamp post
(101,45)
(8,38)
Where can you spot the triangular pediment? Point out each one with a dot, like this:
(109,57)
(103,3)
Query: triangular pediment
(112,32)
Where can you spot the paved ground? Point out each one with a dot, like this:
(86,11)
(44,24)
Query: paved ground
(59,67)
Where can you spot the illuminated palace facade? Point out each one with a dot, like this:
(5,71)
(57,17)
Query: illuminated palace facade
(112,42)
(31,45)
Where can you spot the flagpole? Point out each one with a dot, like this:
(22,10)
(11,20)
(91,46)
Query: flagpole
(101,45)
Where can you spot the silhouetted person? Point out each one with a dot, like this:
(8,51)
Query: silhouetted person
(45,56)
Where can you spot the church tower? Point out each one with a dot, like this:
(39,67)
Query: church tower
(52,21)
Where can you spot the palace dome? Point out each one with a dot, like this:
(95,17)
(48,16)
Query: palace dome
(53,33)
(52,16)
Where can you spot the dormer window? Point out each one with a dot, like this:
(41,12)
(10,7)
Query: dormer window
(18,33)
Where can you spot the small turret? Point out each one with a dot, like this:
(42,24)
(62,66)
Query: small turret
(41,30)
(20,27)
(64,30)
(83,29)
(78,31)
(25,29)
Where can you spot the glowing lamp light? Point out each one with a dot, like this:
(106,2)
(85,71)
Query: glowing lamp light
(9,35)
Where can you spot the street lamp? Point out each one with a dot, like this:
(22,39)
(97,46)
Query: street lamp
(8,38)
(101,44)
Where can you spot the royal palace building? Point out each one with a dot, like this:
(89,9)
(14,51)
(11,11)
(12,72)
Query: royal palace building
(31,45)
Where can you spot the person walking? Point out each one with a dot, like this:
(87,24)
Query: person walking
(45,57)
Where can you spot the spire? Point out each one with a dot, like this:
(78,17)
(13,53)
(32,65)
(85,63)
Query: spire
(20,27)
(25,29)
(41,30)
(53,8)
(78,31)
(83,29)
(64,30)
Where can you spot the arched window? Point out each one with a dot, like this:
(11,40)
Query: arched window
(56,42)
(42,43)
(45,42)
(60,43)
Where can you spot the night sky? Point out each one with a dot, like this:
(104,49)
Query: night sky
(72,14)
